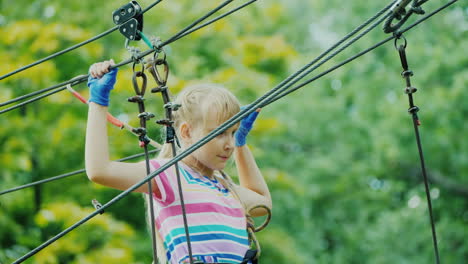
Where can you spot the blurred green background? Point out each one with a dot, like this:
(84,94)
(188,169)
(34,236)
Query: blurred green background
(339,155)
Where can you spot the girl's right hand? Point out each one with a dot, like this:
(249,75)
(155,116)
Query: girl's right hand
(245,126)
(101,81)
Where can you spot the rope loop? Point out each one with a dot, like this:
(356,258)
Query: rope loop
(251,230)
(250,221)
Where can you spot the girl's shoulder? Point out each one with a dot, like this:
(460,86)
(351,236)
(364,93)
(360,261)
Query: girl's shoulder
(158,163)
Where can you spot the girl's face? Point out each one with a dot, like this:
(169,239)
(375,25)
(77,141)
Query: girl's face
(215,154)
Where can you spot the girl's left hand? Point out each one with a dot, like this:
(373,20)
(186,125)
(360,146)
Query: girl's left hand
(245,126)
(101,81)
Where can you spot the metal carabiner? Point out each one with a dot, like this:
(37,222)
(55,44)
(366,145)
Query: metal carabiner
(159,76)
(136,87)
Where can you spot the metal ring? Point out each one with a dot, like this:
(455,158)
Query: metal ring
(398,36)
(135,62)
(156,54)
(267,220)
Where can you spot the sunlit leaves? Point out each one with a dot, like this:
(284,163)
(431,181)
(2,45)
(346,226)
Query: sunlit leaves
(269,54)
(106,238)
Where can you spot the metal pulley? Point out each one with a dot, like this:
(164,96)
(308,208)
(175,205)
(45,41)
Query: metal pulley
(129,18)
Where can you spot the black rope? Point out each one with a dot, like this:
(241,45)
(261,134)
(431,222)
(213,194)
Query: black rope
(229,123)
(413,110)
(59,53)
(150,193)
(144,140)
(19,98)
(105,33)
(33,100)
(328,71)
(213,20)
(62,176)
(171,136)
(62,86)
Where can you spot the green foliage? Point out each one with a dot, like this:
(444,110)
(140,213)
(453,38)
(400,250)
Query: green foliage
(339,155)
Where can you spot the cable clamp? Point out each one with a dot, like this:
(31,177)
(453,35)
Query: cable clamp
(410,90)
(136,99)
(398,8)
(413,110)
(159,89)
(144,140)
(407,73)
(146,115)
(165,122)
(97,205)
(157,44)
(134,52)
(172,106)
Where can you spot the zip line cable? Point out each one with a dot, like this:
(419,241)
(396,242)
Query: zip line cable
(105,33)
(196,22)
(303,72)
(360,53)
(62,176)
(60,87)
(212,20)
(83,78)
(273,93)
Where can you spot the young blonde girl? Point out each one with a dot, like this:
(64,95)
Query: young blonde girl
(215,206)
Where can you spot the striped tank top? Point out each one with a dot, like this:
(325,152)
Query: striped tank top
(216,220)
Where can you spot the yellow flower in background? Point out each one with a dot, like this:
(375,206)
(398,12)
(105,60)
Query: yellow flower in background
(274,10)
(20,32)
(102,236)
(253,50)
(35,75)
(267,126)
(28,40)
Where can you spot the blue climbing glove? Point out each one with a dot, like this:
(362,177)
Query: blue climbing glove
(100,88)
(245,126)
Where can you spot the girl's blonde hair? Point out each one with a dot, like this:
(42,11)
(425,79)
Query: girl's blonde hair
(196,102)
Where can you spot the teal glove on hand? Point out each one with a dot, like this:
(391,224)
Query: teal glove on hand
(245,126)
(100,88)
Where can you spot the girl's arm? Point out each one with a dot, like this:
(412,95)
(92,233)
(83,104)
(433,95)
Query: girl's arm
(253,189)
(99,168)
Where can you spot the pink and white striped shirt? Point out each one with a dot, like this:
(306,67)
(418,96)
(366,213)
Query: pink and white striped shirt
(216,220)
